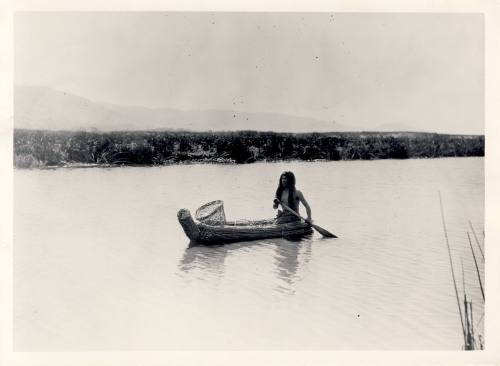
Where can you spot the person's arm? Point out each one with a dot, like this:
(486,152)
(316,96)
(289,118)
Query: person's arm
(306,205)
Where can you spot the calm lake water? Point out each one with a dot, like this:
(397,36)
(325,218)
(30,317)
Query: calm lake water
(101,263)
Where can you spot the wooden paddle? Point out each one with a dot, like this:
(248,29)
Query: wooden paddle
(319,229)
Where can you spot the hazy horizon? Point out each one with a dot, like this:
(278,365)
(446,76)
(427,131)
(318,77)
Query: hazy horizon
(362,70)
(42,108)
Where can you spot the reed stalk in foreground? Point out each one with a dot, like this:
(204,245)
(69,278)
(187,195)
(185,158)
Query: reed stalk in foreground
(470,341)
(451,265)
(475,237)
(477,268)
(467,319)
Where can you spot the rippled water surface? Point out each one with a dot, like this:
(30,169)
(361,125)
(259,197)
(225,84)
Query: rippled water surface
(101,263)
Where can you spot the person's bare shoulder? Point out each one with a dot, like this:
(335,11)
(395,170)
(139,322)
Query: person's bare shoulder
(299,194)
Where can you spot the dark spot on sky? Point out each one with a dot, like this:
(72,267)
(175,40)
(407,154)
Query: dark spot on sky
(358,315)
(317,58)
(213,22)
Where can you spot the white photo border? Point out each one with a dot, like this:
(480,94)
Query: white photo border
(489,356)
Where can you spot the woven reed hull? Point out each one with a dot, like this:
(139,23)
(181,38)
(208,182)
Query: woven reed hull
(240,231)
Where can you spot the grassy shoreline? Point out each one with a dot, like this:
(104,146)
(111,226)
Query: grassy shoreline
(40,149)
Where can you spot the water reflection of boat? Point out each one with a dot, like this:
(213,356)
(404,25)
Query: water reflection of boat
(204,258)
(236,231)
(288,257)
(210,260)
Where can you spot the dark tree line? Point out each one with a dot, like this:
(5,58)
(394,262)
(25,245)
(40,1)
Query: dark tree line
(35,148)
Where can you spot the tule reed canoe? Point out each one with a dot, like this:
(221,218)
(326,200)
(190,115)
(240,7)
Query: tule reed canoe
(234,231)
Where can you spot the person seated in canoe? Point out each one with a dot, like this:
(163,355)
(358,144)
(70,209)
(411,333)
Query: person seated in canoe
(288,195)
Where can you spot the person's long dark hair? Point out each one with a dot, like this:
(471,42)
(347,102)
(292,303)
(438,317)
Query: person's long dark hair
(290,184)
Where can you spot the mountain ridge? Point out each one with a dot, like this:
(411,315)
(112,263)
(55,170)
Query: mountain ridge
(39,107)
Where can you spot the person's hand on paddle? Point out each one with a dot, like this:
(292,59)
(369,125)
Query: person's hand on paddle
(276,203)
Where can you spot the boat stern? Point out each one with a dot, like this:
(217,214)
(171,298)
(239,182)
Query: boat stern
(188,225)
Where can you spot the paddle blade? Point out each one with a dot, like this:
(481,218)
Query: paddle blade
(323,232)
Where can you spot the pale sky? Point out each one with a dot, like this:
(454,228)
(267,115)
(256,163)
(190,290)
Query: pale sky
(421,70)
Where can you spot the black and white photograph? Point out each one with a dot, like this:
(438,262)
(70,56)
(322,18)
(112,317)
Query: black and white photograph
(249,181)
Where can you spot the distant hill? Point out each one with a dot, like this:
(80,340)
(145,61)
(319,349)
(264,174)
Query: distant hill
(48,109)
(400,127)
